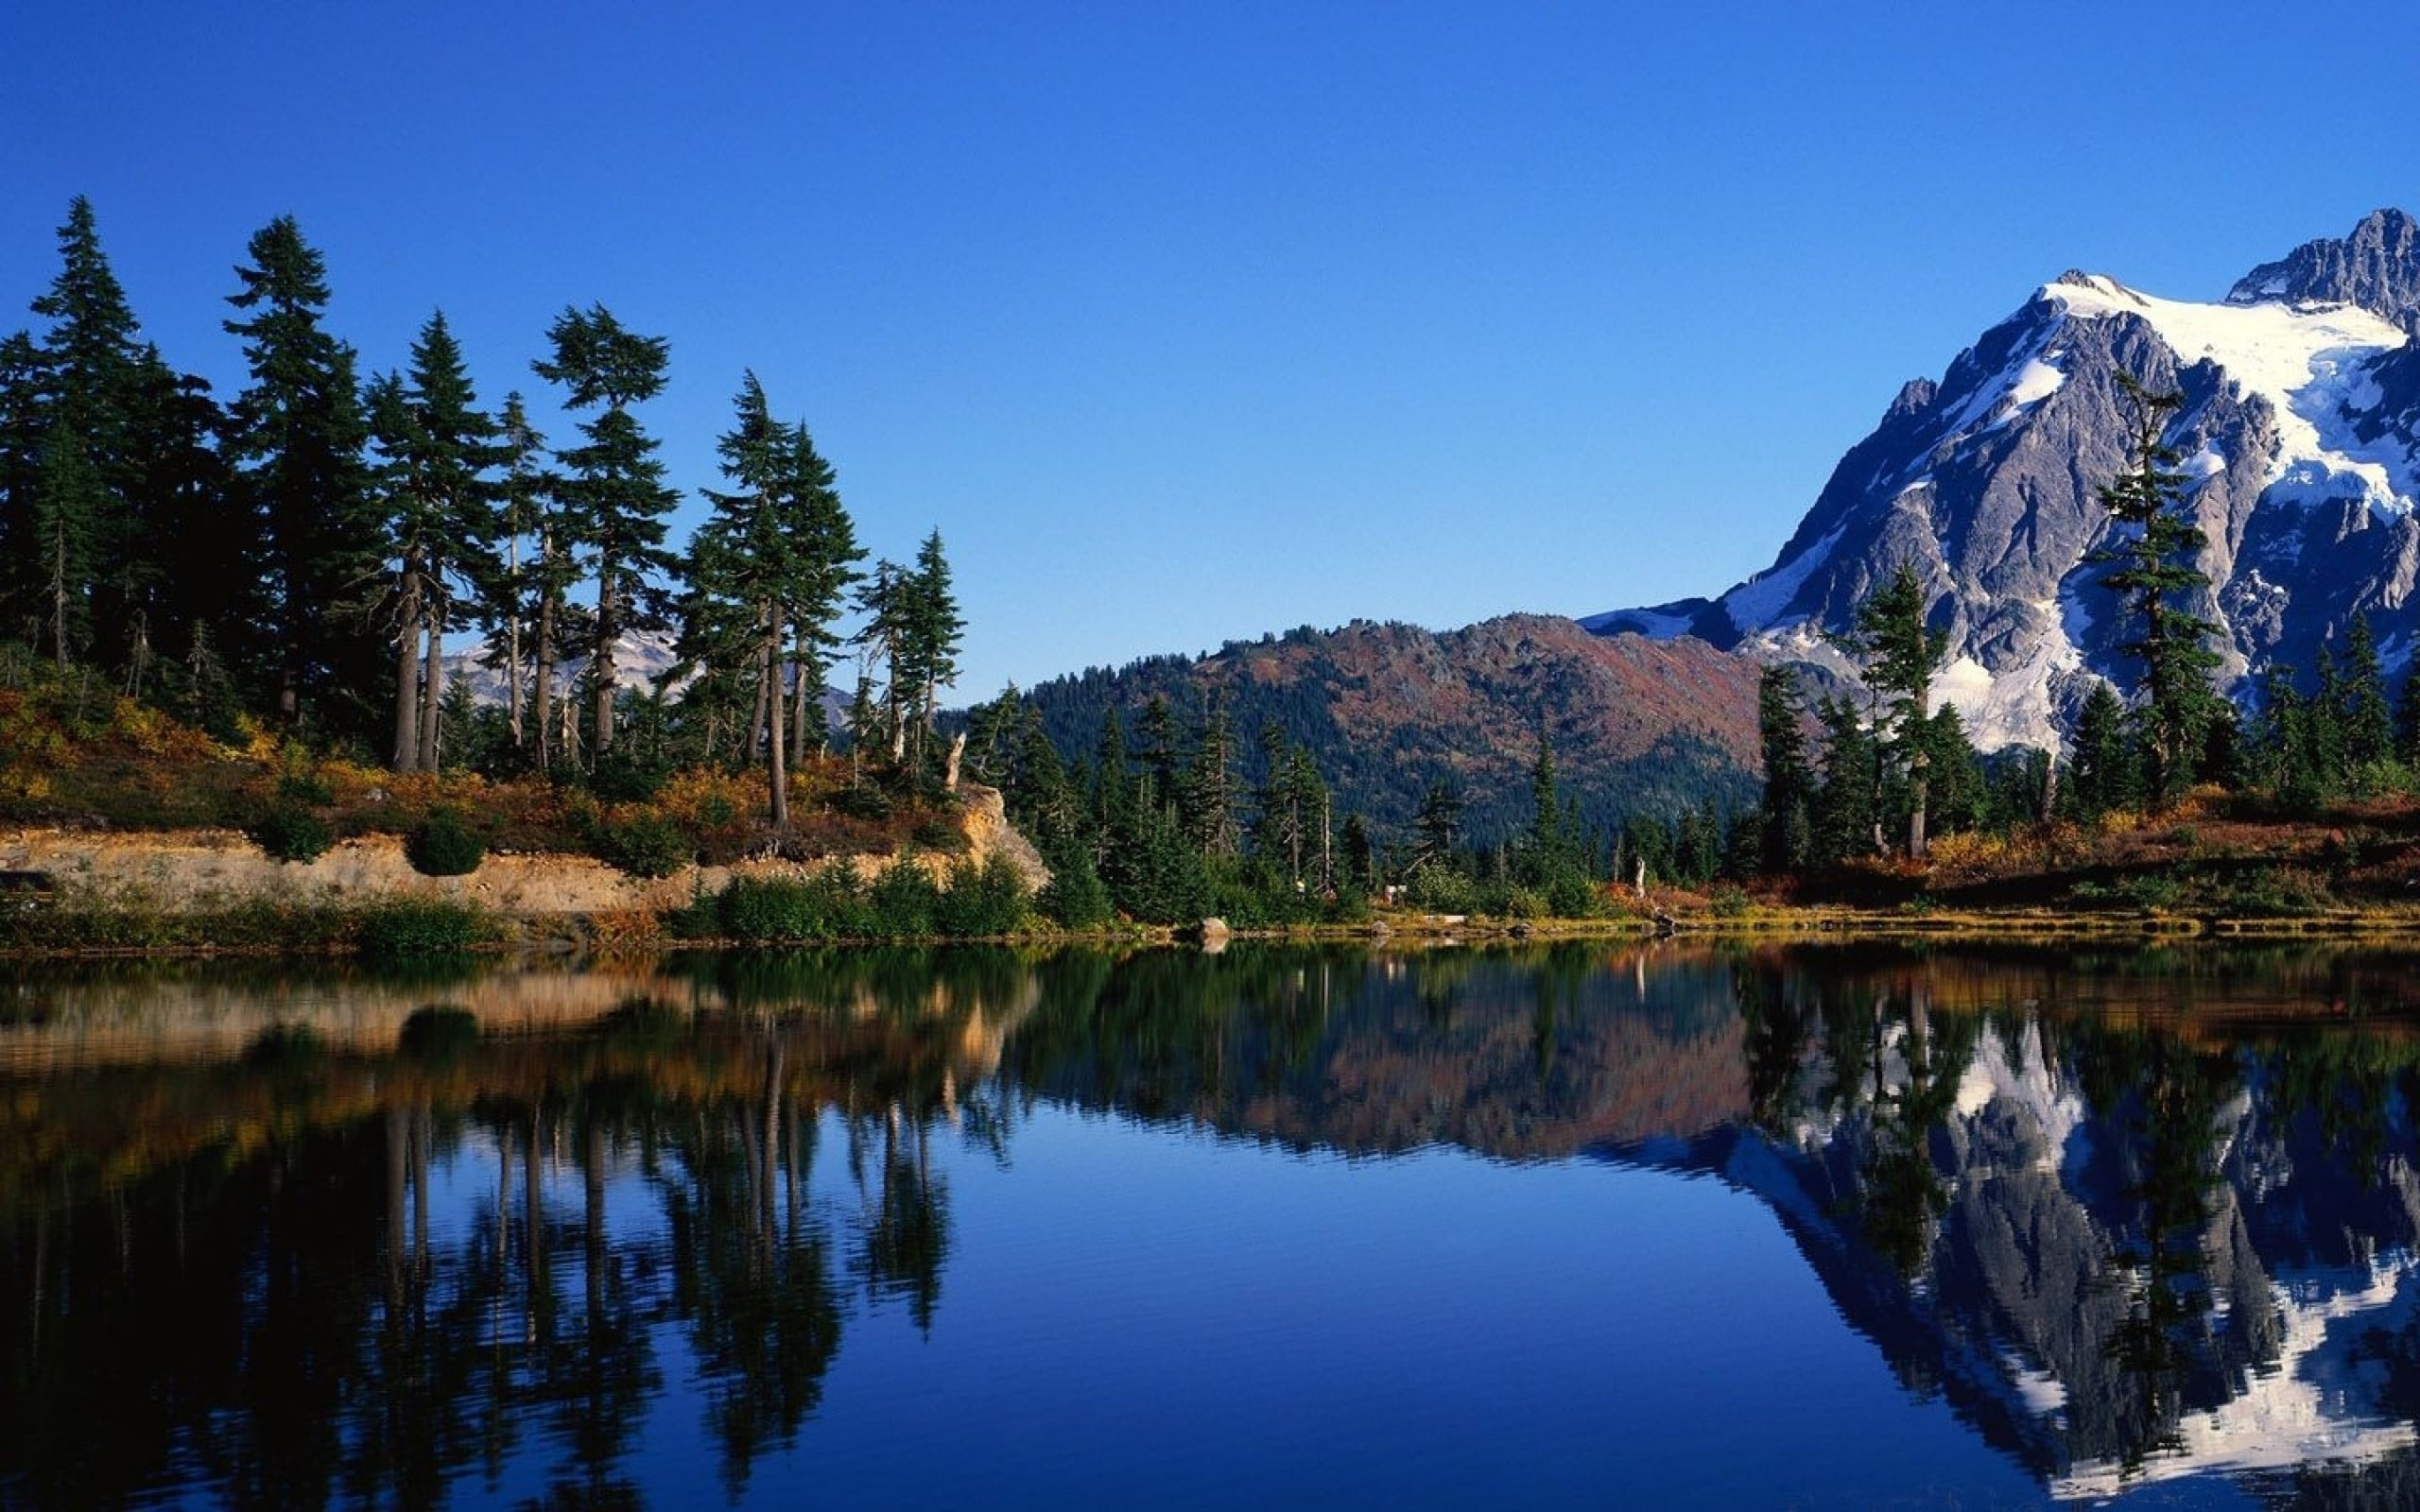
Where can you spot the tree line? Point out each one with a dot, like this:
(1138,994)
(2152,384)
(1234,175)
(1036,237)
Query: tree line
(301,555)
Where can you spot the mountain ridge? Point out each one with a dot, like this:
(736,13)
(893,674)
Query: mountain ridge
(2301,409)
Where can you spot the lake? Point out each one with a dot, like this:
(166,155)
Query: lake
(1835,1226)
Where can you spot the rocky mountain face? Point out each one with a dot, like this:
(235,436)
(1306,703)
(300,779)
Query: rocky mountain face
(1637,726)
(2300,417)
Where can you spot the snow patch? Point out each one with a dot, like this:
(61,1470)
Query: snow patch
(2308,361)
(1756,602)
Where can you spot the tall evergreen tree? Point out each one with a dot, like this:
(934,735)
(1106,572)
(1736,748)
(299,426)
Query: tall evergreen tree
(2157,562)
(191,584)
(761,566)
(297,433)
(1207,801)
(932,632)
(2107,777)
(68,507)
(449,505)
(1847,818)
(613,491)
(525,590)
(1786,816)
(2369,726)
(90,362)
(23,422)
(1899,653)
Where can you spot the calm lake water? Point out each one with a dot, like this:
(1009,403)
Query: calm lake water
(1839,1227)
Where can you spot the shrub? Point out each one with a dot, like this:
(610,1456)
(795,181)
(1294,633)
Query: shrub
(415,926)
(292,833)
(442,848)
(1573,894)
(621,776)
(1438,890)
(773,909)
(1730,902)
(644,845)
(301,786)
(982,901)
(903,900)
(1075,897)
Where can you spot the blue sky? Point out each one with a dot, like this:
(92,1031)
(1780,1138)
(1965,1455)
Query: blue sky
(1187,322)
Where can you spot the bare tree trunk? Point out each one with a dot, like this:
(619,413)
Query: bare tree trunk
(799,701)
(58,595)
(408,745)
(433,686)
(780,776)
(542,692)
(601,666)
(512,641)
(756,713)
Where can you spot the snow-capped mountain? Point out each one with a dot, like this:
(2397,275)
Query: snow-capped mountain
(640,657)
(2302,407)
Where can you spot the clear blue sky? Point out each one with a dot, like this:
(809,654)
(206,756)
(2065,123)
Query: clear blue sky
(1186,322)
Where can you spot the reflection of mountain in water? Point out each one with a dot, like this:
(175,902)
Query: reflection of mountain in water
(2123,1255)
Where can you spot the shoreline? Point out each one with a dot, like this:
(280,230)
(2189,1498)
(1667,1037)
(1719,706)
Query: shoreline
(616,934)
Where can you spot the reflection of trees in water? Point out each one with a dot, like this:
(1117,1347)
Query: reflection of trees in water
(312,1315)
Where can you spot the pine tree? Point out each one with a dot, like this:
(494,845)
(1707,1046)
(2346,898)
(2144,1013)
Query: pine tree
(2107,777)
(825,540)
(1545,840)
(1846,816)
(1207,801)
(450,504)
(1899,654)
(68,506)
(757,570)
(298,433)
(1787,824)
(91,361)
(22,424)
(932,630)
(882,636)
(525,590)
(2156,567)
(2407,718)
(2369,727)
(1156,732)
(614,495)
(1439,825)
(192,583)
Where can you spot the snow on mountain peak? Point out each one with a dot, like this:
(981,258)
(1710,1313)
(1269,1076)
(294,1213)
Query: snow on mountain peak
(2305,360)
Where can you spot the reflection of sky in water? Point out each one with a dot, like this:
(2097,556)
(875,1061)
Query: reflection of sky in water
(1133,1314)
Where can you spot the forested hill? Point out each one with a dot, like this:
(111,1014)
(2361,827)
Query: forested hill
(1638,727)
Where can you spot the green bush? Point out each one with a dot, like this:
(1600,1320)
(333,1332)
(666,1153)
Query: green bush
(1075,897)
(1730,902)
(442,848)
(621,776)
(982,901)
(301,786)
(1573,894)
(292,833)
(644,845)
(1440,890)
(904,901)
(419,927)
